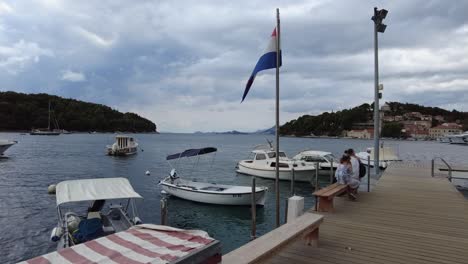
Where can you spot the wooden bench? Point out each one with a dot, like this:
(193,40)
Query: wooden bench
(324,197)
(305,226)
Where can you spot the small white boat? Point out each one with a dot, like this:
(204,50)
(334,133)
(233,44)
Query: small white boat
(97,221)
(387,156)
(459,138)
(5,144)
(327,161)
(210,193)
(263,164)
(123,146)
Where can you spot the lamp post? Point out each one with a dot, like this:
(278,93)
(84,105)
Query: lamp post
(378,17)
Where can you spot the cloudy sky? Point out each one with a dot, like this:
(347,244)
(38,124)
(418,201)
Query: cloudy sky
(184,64)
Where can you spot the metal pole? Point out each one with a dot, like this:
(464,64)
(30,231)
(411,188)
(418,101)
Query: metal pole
(331,172)
(432,167)
(286,210)
(376,100)
(254,211)
(277,118)
(316,175)
(368,173)
(163,211)
(293,179)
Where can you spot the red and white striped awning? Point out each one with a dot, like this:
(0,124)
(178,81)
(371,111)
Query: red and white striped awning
(140,244)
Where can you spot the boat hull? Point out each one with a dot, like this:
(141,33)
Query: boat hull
(284,173)
(4,147)
(44,133)
(212,198)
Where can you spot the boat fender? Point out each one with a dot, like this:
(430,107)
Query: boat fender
(73,221)
(147,172)
(56,234)
(51,189)
(137,220)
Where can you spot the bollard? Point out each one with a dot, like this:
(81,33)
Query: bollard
(316,175)
(286,211)
(163,211)
(253,211)
(368,173)
(331,172)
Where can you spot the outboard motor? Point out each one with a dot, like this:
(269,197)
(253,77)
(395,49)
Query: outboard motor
(56,234)
(173,175)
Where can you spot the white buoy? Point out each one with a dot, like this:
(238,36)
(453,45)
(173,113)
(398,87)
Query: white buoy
(147,172)
(51,189)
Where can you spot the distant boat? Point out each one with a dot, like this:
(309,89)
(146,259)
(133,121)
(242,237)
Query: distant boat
(47,131)
(211,193)
(459,138)
(123,146)
(5,144)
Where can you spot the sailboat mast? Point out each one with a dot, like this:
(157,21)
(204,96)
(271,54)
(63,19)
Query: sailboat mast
(48,120)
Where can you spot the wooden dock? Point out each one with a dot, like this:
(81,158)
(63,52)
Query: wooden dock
(409,217)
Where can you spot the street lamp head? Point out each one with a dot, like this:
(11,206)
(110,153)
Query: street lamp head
(383,13)
(381,27)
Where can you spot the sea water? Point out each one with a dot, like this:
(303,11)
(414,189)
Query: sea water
(28,213)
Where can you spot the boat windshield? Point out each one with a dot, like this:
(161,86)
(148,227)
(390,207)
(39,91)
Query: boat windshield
(331,157)
(273,154)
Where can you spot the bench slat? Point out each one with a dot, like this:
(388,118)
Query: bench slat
(271,241)
(335,191)
(326,189)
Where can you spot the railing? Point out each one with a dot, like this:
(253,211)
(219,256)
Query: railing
(446,164)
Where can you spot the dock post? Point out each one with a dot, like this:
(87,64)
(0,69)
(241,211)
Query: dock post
(432,167)
(286,208)
(163,211)
(253,211)
(331,172)
(368,173)
(316,175)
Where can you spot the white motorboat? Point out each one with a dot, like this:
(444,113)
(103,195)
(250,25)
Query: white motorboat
(210,193)
(97,221)
(5,144)
(387,155)
(263,164)
(123,146)
(459,138)
(327,161)
(47,131)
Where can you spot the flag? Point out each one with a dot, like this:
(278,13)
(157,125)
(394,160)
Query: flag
(266,61)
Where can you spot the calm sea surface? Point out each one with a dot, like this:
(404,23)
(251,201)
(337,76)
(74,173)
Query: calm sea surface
(27,212)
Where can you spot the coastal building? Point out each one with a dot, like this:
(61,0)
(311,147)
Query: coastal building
(444,130)
(420,123)
(398,118)
(426,118)
(413,116)
(439,118)
(416,131)
(385,108)
(360,133)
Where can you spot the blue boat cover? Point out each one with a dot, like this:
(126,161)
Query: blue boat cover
(192,152)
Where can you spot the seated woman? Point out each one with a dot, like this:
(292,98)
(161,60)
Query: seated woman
(344,175)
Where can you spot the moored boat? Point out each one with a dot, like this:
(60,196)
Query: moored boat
(6,144)
(211,193)
(123,146)
(97,221)
(326,160)
(263,164)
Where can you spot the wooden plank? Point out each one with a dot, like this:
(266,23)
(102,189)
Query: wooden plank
(410,217)
(272,241)
(325,189)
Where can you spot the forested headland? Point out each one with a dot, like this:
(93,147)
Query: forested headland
(22,112)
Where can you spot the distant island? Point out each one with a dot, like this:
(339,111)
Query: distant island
(398,120)
(22,112)
(269,131)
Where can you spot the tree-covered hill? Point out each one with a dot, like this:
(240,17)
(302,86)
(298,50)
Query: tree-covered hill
(333,124)
(20,111)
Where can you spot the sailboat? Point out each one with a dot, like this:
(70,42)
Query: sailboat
(46,131)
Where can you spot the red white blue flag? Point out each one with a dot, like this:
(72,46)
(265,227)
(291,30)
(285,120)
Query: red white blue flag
(266,61)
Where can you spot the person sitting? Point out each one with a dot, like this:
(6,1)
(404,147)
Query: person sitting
(344,176)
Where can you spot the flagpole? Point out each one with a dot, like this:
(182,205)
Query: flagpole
(277,117)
